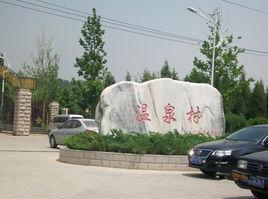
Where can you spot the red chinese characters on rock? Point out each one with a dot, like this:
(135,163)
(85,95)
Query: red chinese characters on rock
(169,114)
(194,115)
(143,114)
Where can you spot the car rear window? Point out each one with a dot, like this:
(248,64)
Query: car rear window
(60,119)
(90,123)
(77,117)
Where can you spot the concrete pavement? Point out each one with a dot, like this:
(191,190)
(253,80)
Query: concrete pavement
(29,170)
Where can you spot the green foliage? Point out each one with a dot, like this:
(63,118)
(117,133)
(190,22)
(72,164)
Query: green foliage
(128,76)
(171,143)
(240,101)
(1,59)
(258,101)
(91,65)
(147,75)
(109,79)
(71,94)
(166,72)
(266,102)
(229,75)
(257,121)
(45,69)
(234,122)
(86,141)
(197,77)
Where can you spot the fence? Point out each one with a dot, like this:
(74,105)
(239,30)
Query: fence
(7,127)
(34,130)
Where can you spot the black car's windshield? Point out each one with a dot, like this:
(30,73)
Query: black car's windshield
(251,134)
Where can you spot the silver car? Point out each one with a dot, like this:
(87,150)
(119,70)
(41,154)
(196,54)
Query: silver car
(60,119)
(69,128)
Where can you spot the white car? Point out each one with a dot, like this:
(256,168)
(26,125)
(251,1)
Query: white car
(69,128)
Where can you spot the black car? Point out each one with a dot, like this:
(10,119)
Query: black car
(221,156)
(252,173)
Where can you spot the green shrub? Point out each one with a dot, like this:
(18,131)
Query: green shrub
(257,121)
(86,141)
(234,122)
(172,143)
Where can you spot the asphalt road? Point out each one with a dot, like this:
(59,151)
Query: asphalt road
(29,170)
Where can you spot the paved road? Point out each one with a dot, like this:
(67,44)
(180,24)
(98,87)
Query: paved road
(29,170)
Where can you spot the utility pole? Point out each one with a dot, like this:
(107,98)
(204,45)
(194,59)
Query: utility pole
(214,19)
(2,93)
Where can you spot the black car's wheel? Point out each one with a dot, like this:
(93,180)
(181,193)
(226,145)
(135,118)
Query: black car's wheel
(52,142)
(259,195)
(209,173)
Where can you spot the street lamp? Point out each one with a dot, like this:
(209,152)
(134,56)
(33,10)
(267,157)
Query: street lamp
(3,90)
(212,18)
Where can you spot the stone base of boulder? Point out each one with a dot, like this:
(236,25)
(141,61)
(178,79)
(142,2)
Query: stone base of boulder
(125,160)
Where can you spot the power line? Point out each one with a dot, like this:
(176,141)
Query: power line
(115,28)
(249,51)
(37,10)
(116,24)
(125,23)
(256,51)
(247,7)
(262,55)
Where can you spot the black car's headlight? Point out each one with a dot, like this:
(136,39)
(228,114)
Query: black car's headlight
(242,164)
(221,153)
(191,152)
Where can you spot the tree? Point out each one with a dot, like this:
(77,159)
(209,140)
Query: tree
(91,65)
(240,102)
(197,77)
(147,75)
(229,75)
(1,59)
(109,79)
(266,102)
(166,72)
(258,101)
(45,69)
(71,95)
(128,76)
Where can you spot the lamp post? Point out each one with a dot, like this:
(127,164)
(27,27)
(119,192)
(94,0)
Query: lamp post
(2,93)
(212,18)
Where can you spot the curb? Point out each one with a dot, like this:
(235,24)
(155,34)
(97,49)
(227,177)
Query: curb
(125,160)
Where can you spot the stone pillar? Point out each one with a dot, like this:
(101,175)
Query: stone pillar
(22,112)
(54,108)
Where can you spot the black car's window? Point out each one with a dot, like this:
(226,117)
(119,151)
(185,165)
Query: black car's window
(251,134)
(67,125)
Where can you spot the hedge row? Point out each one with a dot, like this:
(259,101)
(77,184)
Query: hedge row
(171,143)
(235,122)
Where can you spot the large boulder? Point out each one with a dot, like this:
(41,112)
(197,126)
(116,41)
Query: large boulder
(161,105)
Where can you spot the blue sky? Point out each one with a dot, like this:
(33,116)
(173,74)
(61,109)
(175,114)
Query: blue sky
(130,52)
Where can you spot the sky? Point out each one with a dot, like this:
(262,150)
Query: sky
(126,51)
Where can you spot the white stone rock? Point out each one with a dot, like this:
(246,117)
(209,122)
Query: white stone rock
(161,105)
